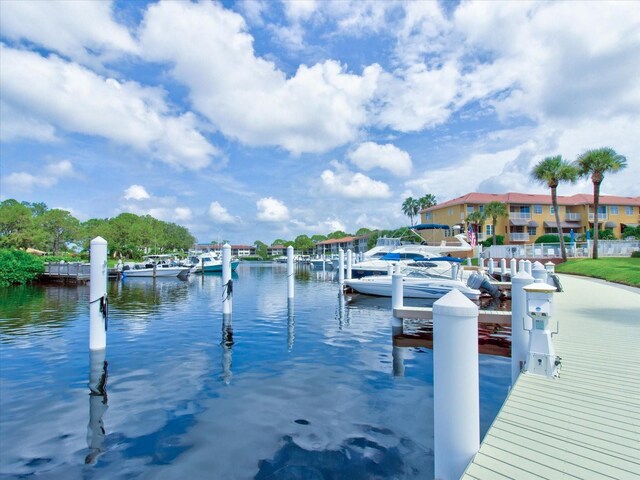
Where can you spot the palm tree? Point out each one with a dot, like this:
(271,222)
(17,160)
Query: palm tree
(494,210)
(410,207)
(596,163)
(428,200)
(551,171)
(477,219)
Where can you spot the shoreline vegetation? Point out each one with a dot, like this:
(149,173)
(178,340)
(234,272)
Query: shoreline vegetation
(624,270)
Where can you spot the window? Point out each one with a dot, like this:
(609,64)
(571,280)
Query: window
(450,211)
(537,209)
(470,209)
(481,208)
(613,209)
(427,215)
(488,230)
(628,210)
(552,210)
(531,231)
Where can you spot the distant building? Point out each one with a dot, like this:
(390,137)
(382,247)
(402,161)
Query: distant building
(355,244)
(531,216)
(236,250)
(277,250)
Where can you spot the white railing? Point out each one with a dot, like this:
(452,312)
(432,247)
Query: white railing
(601,216)
(572,217)
(519,237)
(520,215)
(606,248)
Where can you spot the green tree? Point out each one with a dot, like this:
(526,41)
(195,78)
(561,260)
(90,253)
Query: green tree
(318,238)
(427,201)
(411,208)
(477,219)
(261,249)
(363,231)
(17,227)
(495,210)
(37,208)
(303,242)
(337,234)
(551,171)
(279,241)
(596,163)
(61,227)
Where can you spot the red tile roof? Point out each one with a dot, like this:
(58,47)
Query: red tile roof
(339,240)
(531,199)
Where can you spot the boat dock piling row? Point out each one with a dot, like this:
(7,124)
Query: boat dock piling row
(98,310)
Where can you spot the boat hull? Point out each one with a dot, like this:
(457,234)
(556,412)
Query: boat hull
(159,272)
(418,288)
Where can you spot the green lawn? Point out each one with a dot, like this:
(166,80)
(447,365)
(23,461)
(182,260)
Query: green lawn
(619,270)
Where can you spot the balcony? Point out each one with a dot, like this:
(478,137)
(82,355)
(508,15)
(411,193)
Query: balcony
(519,237)
(601,216)
(572,217)
(520,215)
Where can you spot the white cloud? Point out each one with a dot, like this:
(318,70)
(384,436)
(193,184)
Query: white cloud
(75,99)
(300,9)
(48,177)
(182,213)
(247,97)
(75,29)
(177,214)
(136,192)
(16,124)
(371,155)
(347,184)
(220,214)
(272,210)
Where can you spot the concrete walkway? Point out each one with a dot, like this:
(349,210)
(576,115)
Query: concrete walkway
(586,423)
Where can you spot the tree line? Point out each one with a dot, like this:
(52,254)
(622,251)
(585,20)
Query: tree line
(34,225)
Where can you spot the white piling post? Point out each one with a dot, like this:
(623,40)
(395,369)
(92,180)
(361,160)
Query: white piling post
(455,384)
(527,266)
(521,265)
(397,297)
(503,269)
(519,336)
(513,265)
(98,295)
(340,266)
(290,287)
(349,263)
(550,267)
(491,266)
(390,269)
(538,272)
(227,283)
(469,261)
(481,263)
(454,271)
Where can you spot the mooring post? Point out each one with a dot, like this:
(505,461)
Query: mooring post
(481,263)
(98,305)
(349,263)
(491,266)
(550,267)
(519,335)
(521,265)
(341,267)
(290,278)
(469,261)
(227,283)
(513,265)
(527,266)
(538,272)
(454,271)
(455,384)
(503,269)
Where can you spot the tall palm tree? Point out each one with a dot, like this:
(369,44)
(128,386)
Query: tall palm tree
(551,171)
(596,163)
(477,219)
(494,210)
(428,200)
(410,207)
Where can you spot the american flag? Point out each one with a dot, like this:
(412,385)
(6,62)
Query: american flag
(472,236)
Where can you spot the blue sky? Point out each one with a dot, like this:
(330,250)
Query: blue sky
(258,120)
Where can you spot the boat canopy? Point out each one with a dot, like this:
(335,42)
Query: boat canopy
(430,226)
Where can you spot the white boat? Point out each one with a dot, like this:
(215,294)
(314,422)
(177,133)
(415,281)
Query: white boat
(417,283)
(209,262)
(155,266)
(317,263)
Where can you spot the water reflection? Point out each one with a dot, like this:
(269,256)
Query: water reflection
(227,346)
(291,324)
(98,404)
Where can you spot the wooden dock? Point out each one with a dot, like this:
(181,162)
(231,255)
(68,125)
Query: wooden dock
(71,272)
(586,423)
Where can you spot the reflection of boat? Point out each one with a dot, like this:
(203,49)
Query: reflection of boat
(417,283)
(210,262)
(155,266)
(317,263)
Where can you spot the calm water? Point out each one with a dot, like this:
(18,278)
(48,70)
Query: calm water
(306,392)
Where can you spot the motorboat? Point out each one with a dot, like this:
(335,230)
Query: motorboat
(417,283)
(318,263)
(155,266)
(210,262)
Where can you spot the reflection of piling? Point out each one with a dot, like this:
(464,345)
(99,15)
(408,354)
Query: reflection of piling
(397,353)
(291,324)
(519,336)
(290,285)
(98,305)
(227,344)
(455,384)
(97,404)
(227,283)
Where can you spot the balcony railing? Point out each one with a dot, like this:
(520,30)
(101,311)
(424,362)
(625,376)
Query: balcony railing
(601,216)
(520,215)
(573,217)
(519,237)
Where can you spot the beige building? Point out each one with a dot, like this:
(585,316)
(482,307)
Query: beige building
(531,216)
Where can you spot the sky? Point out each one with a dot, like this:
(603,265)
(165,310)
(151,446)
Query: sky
(259,119)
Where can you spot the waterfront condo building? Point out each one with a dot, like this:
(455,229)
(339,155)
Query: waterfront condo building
(531,216)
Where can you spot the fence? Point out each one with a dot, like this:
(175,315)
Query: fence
(606,248)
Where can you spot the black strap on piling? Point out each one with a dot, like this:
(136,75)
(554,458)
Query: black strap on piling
(227,290)
(104,309)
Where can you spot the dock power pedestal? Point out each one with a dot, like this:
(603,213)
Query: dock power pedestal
(541,358)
